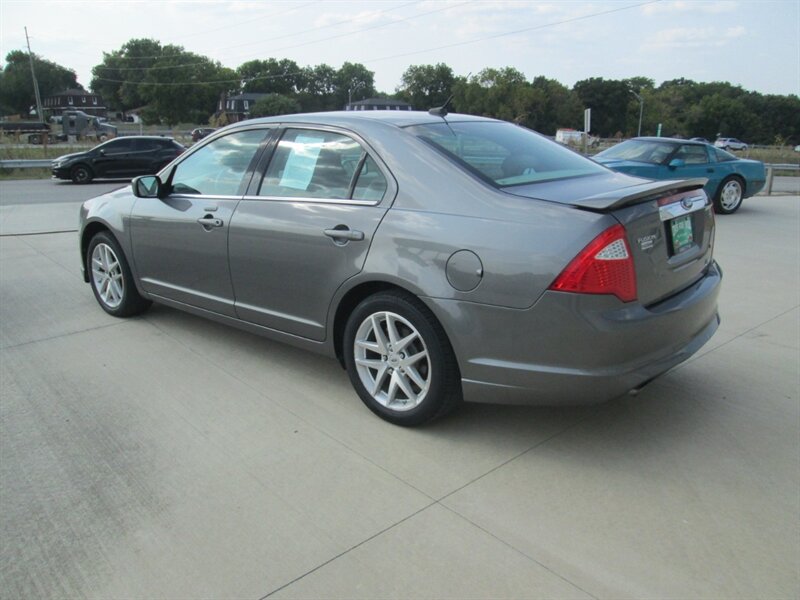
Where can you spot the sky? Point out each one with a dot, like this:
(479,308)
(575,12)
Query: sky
(755,44)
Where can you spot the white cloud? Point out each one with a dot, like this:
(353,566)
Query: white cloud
(710,8)
(693,37)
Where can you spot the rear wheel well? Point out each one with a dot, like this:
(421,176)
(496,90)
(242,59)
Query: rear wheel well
(348,303)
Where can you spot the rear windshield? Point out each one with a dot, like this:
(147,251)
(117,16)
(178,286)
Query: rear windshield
(504,154)
(646,151)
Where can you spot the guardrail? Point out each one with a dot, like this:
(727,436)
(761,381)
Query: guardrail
(25,163)
(771,168)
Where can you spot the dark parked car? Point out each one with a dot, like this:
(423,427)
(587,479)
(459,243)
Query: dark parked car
(201,132)
(440,258)
(730,179)
(122,157)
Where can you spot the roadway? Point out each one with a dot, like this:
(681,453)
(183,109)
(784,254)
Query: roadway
(169,456)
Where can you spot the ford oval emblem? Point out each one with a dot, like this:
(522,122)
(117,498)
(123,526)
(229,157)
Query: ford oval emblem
(687,203)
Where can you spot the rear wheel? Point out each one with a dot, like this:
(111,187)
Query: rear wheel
(111,278)
(81,174)
(400,361)
(729,196)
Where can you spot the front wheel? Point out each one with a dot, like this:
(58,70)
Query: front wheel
(111,278)
(729,196)
(400,361)
(81,174)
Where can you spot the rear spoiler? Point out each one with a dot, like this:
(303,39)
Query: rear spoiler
(638,193)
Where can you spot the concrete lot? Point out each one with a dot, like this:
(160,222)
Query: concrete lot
(170,457)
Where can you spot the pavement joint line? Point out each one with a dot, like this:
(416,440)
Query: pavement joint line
(395,476)
(62,335)
(299,417)
(696,357)
(344,552)
(518,551)
(52,260)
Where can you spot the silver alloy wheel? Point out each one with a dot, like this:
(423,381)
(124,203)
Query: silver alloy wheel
(107,275)
(392,361)
(731,195)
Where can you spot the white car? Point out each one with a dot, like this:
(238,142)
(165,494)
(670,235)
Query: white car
(730,144)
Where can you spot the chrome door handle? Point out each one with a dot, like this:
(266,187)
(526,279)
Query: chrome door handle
(208,221)
(342,234)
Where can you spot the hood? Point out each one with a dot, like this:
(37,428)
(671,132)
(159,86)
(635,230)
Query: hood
(604,191)
(70,156)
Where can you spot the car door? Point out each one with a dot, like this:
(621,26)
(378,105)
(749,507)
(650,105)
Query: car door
(305,228)
(180,242)
(111,159)
(696,163)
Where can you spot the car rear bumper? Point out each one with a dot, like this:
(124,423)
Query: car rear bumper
(576,349)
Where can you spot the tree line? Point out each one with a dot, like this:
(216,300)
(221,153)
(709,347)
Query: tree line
(170,85)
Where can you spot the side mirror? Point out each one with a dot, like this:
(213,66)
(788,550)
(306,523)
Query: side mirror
(101,152)
(676,162)
(147,186)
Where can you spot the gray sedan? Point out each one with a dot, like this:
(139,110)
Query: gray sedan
(438,257)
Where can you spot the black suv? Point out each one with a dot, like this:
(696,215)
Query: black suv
(121,157)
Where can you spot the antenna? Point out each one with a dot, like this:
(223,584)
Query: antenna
(39,112)
(441,111)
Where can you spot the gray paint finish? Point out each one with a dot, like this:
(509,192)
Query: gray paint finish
(271,268)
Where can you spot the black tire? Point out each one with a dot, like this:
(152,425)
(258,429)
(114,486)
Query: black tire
(438,367)
(81,174)
(729,196)
(119,297)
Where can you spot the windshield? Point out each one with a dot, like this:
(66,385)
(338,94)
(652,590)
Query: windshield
(503,154)
(639,151)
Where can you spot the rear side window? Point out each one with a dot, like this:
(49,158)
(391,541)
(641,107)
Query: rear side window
(503,154)
(692,154)
(321,164)
(723,156)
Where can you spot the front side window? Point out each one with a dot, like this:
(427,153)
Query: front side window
(218,169)
(503,154)
(316,164)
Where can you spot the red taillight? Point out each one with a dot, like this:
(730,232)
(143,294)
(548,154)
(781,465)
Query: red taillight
(605,266)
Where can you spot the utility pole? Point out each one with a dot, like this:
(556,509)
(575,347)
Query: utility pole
(641,109)
(39,112)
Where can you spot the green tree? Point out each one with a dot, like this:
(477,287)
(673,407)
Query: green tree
(271,76)
(16,84)
(185,87)
(352,80)
(274,104)
(120,76)
(318,89)
(609,100)
(426,86)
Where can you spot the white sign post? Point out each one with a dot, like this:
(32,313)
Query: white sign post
(587,125)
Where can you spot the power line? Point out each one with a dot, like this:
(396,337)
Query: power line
(280,37)
(308,43)
(400,55)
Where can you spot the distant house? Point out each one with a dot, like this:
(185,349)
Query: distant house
(379,104)
(237,108)
(88,102)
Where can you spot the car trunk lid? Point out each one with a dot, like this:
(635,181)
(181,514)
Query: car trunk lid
(669,225)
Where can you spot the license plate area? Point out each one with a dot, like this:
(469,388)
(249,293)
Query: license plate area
(681,234)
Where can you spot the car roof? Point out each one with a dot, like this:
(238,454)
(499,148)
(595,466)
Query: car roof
(670,140)
(143,137)
(357,118)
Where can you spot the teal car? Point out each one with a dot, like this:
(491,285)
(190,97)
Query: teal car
(730,178)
